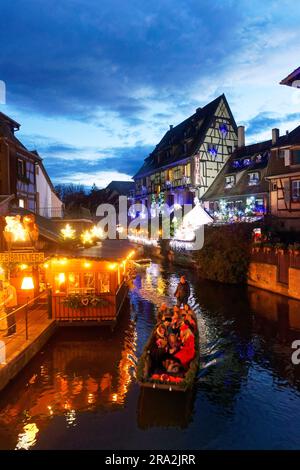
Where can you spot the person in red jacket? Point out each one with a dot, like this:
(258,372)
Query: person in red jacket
(187,350)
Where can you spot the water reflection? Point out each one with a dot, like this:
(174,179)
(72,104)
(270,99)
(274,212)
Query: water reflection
(80,371)
(247,393)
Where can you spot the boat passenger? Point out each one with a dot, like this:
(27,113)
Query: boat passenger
(162,310)
(187,350)
(190,322)
(172,346)
(176,323)
(182,292)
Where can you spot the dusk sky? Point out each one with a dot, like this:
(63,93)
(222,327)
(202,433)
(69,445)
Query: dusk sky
(96,83)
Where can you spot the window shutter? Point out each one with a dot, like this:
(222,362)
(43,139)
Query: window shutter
(287,158)
(287,191)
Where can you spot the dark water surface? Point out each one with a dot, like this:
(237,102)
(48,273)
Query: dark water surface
(80,391)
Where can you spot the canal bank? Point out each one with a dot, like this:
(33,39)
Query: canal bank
(34,328)
(80,390)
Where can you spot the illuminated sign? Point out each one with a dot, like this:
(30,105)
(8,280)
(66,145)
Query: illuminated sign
(19,257)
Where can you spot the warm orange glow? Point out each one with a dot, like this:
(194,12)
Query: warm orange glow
(27,283)
(96,232)
(46,265)
(87,238)
(68,232)
(15,227)
(63,261)
(87,264)
(112,266)
(61,278)
(23,267)
(130,254)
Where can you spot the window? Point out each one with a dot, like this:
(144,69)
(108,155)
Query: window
(22,203)
(253,178)
(246,161)
(296,190)
(21,170)
(296,157)
(103,282)
(274,186)
(236,164)
(89,282)
(60,286)
(229,149)
(259,205)
(73,283)
(229,181)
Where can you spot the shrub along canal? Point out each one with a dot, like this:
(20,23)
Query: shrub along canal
(80,392)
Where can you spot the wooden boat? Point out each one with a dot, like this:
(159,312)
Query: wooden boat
(142,262)
(184,382)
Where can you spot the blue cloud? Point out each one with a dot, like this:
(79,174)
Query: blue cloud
(266,121)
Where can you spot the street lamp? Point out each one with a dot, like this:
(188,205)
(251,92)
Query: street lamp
(27,285)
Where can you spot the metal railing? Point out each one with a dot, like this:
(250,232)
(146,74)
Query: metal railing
(22,319)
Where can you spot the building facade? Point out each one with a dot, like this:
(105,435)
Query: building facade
(284,180)
(188,158)
(17,173)
(23,175)
(240,190)
(259,179)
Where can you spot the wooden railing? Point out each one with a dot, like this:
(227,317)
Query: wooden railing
(107,312)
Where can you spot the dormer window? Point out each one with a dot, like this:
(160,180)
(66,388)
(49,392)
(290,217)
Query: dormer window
(246,161)
(229,181)
(258,158)
(236,164)
(254,178)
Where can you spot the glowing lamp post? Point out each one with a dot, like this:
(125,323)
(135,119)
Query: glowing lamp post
(27,285)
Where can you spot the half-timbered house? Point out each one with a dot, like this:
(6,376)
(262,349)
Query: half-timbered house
(188,158)
(284,180)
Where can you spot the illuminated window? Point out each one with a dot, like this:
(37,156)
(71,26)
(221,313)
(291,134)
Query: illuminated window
(229,181)
(21,203)
(60,283)
(253,178)
(103,282)
(73,282)
(89,281)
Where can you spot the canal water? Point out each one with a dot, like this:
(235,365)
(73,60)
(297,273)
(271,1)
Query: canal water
(80,391)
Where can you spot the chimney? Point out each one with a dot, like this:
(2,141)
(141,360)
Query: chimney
(241,136)
(198,110)
(275,136)
(287,132)
(171,127)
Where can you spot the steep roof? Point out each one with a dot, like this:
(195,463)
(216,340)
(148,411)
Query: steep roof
(121,187)
(292,77)
(7,129)
(259,156)
(193,129)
